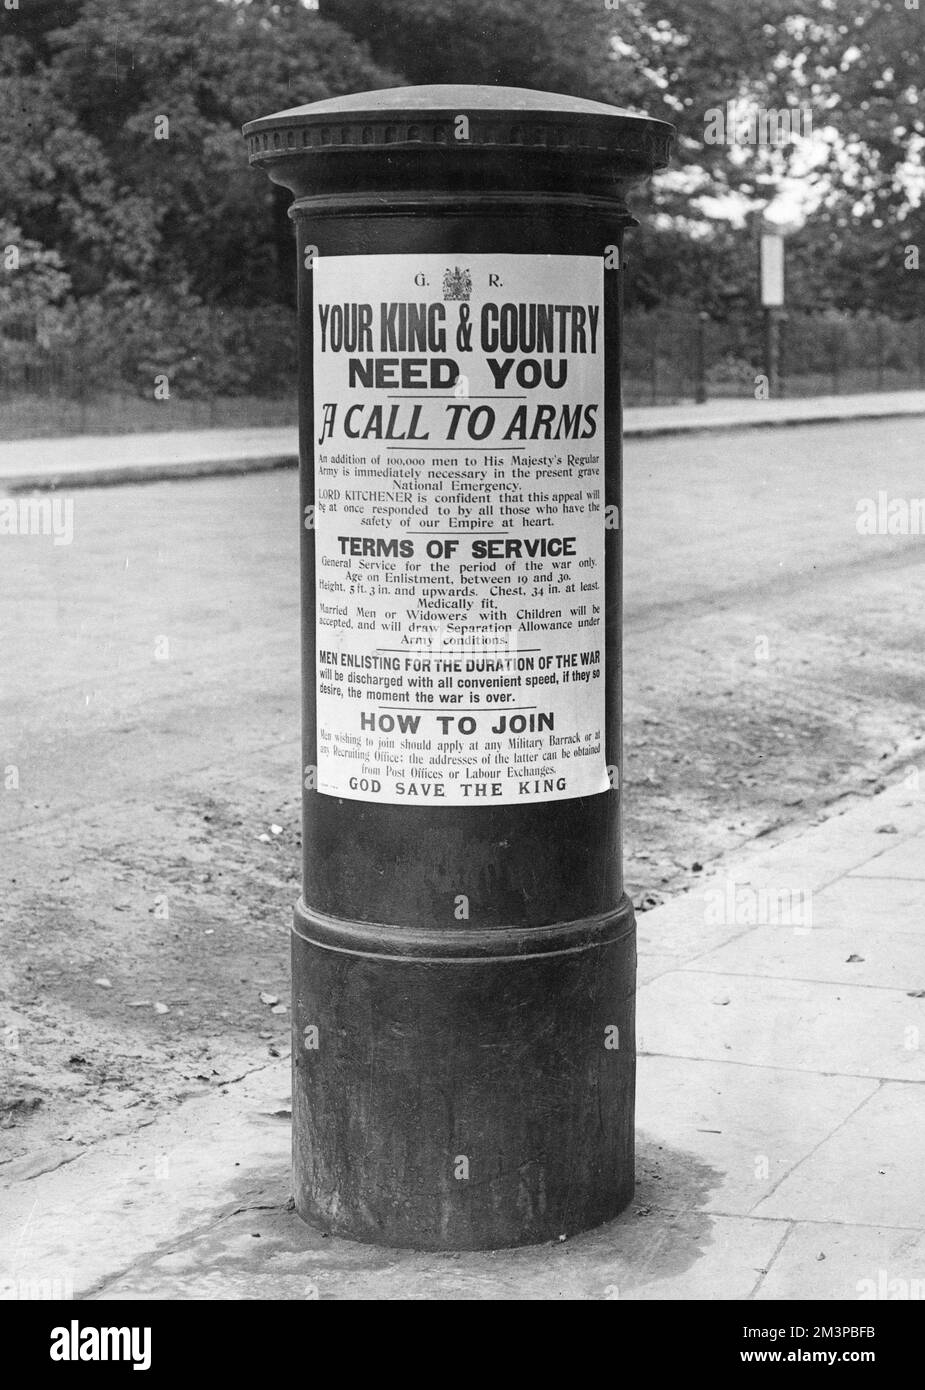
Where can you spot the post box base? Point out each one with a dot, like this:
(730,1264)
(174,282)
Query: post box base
(463,1090)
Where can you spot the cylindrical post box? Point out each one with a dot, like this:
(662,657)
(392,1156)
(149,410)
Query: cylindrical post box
(463,953)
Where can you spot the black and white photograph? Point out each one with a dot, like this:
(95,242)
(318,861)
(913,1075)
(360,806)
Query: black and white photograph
(462,669)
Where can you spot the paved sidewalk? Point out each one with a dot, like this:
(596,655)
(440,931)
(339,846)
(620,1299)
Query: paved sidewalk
(780,1137)
(106,459)
(93,460)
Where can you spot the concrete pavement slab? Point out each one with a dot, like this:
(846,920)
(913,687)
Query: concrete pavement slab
(868,1173)
(650,965)
(906,860)
(885,960)
(745,412)
(681,928)
(752,1127)
(867,1263)
(842,844)
(97,460)
(270,1254)
(873,905)
(111,1205)
(844,1029)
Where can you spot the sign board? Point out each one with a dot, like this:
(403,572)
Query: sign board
(772,270)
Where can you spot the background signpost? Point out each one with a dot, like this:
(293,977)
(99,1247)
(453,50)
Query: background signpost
(772,301)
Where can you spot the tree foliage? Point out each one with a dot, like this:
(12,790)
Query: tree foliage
(124,173)
(124,127)
(854,65)
(555,45)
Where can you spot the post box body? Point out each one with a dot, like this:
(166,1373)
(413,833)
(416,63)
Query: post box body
(463,953)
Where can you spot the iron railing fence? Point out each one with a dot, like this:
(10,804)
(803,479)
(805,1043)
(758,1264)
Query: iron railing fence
(676,355)
(670,355)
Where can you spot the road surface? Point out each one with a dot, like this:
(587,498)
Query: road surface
(150,757)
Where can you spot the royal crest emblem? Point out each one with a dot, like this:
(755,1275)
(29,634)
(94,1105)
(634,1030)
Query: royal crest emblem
(457,284)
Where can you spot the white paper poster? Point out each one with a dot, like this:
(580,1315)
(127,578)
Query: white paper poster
(459,525)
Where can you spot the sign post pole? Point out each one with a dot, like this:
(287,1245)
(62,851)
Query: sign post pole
(463,952)
(772,301)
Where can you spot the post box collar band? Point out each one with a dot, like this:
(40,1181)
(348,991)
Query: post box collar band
(437,946)
(461,118)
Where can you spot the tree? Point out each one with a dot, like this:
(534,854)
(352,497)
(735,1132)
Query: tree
(854,65)
(123,153)
(125,128)
(557,45)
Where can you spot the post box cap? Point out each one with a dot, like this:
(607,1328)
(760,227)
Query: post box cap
(462,117)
